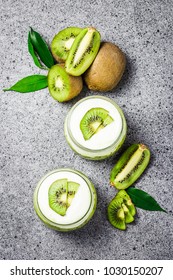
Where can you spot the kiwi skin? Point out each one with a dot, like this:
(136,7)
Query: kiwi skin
(75,84)
(107,69)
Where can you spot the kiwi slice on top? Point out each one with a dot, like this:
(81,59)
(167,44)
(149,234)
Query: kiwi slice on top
(94,120)
(57,195)
(83,51)
(72,189)
(63,41)
(62,86)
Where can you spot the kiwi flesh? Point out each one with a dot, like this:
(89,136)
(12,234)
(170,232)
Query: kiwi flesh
(119,214)
(94,120)
(130,166)
(62,86)
(107,69)
(72,189)
(61,194)
(116,214)
(58,196)
(83,51)
(127,201)
(63,41)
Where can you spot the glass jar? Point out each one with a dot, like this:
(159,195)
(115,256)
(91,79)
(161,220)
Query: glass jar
(81,209)
(102,144)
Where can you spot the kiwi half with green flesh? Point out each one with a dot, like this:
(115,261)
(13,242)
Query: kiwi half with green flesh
(94,120)
(130,166)
(83,51)
(72,189)
(57,195)
(63,41)
(116,214)
(62,86)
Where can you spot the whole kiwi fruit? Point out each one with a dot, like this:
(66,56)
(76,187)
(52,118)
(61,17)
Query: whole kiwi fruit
(107,69)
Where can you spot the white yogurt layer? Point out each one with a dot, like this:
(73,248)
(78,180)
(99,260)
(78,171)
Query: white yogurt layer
(106,136)
(79,206)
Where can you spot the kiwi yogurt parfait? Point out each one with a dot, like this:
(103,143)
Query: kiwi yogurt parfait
(65,199)
(95,127)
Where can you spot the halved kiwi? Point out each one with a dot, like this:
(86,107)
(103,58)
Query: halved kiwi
(130,166)
(94,120)
(63,41)
(62,86)
(83,51)
(57,195)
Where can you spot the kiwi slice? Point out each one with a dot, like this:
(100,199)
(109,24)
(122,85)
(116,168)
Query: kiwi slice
(72,189)
(83,51)
(130,166)
(128,217)
(57,195)
(63,41)
(116,214)
(62,86)
(127,201)
(94,120)
(121,209)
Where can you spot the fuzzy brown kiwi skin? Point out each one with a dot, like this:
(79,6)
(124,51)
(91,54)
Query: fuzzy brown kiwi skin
(76,85)
(107,69)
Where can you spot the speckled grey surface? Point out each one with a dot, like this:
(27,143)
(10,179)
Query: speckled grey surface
(32,140)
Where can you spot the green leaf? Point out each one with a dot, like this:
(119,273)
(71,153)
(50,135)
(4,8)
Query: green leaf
(29,84)
(41,48)
(143,200)
(33,54)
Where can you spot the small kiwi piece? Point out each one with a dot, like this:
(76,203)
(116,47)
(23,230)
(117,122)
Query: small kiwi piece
(130,166)
(107,69)
(83,51)
(128,217)
(94,120)
(62,86)
(63,41)
(57,195)
(72,190)
(127,201)
(116,215)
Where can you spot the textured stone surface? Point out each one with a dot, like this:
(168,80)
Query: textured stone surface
(32,140)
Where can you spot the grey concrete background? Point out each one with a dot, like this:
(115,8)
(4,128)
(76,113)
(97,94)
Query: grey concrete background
(32,140)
